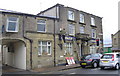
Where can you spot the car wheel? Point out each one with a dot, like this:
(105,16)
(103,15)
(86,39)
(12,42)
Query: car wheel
(95,65)
(117,66)
(101,67)
(83,66)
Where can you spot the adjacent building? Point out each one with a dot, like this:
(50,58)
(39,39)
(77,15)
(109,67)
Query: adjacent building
(46,39)
(116,41)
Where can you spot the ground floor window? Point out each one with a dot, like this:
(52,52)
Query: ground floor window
(92,49)
(69,48)
(44,47)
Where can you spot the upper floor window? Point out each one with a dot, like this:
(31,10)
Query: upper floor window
(93,33)
(82,18)
(82,29)
(12,24)
(115,41)
(44,47)
(70,15)
(92,21)
(41,25)
(71,29)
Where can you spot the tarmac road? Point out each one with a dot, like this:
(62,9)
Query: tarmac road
(88,72)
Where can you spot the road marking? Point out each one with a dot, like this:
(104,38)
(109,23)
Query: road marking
(95,69)
(72,73)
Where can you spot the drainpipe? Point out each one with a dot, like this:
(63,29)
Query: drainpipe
(30,40)
(54,46)
(55,40)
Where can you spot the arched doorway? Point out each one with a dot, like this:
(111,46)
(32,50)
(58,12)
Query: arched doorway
(14,53)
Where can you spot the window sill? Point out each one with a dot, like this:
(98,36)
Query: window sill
(12,31)
(93,26)
(82,23)
(42,31)
(44,55)
(71,20)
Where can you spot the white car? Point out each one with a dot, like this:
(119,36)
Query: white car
(110,60)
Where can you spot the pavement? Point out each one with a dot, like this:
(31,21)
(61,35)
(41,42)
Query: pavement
(8,69)
(57,68)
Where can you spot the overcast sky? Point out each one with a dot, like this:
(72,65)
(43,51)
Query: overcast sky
(108,9)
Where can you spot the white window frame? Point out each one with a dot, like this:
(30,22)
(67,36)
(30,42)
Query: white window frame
(41,24)
(70,15)
(71,29)
(82,29)
(82,18)
(41,45)
(93,21)
(17,24)
(69,48)
(93,33)
(92,49)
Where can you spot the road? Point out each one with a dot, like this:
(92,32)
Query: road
(88,71)
(70,72)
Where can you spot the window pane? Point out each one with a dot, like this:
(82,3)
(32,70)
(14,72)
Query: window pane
(44,43)
(41,27)
(70,15)
(81,29)
(41,21)
(49,43)
(12,18)
(49,49)
(39,50)
(11,26)
(81,18)
(44,49)
(92,21)
(71,29)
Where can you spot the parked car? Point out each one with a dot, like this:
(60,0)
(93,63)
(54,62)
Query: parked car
(90,60)
(110,60)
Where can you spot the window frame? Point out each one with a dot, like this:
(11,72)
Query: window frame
(41,24)
(94,34)
(93,21)
(17,24)
(69,48)
(40,44)
(83,29)
(82,18)
(71,29)
(71,15)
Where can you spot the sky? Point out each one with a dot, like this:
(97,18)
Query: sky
(108,9)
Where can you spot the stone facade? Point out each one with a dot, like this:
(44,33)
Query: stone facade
(115,42)
(85,43)
(51,47)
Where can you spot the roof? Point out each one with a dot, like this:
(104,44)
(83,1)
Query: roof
(20,13)
(116,33)
(65,7)
(4,10)
(50,8)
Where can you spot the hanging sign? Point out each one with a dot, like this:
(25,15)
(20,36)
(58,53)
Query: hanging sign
(69,38)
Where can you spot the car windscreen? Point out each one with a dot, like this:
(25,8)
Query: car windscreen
(107,56)
(86,57)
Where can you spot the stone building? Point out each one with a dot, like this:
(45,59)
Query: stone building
(116,42)
(46,39)
(23,38)
(82,30)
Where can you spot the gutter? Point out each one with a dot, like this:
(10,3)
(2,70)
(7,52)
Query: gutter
(30,40)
